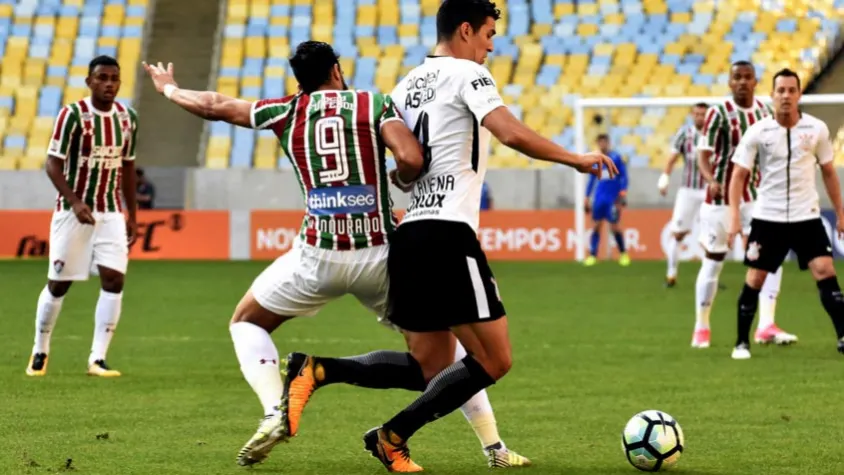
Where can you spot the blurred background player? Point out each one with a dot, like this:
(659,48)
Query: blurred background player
(486,198)
(787,147)
(724,126)
(692,187)
(610,196)
(329,259)
(90,162)
(146,191)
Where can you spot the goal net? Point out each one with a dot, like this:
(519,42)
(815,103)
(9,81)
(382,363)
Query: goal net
(641,130)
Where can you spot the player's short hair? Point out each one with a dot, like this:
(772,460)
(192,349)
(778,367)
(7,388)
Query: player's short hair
(786,73)
(312,63)
(702,105)
(602,137)
(453,13)
(743,62)
(102,60)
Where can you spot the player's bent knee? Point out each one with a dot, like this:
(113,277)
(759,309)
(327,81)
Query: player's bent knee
(497,364)
(718,257)
(111,280)
(822,268)
(250,311)
(755,278)
(433,351)
(58,288)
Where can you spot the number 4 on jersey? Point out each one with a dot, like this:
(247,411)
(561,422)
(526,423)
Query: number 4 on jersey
(421,133)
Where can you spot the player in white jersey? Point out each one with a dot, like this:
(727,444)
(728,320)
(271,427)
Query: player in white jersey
(692,187)
(440,281)
(786,217)
(725,124)
(325,265)
(91,163)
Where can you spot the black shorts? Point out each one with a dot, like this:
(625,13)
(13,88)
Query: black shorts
(769,243)
(439,277)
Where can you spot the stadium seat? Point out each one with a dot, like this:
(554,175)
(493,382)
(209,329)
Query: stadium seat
(545,52)
(45,47)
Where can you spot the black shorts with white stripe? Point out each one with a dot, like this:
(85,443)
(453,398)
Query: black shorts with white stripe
(769,242)
(439,277)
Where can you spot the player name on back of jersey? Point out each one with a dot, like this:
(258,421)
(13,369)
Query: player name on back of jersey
(354,209)
(429,195)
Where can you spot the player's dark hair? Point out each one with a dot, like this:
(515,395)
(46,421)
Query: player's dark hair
(786,73)
(312,64)
(102,60)
(453,13)
(741,63)
(702,105)
(603,137)
(139,171)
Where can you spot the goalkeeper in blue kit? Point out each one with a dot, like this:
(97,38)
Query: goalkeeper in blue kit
(610,197)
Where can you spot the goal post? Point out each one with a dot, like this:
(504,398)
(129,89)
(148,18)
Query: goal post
(581,107)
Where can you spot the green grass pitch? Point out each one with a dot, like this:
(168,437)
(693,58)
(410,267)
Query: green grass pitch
(591,348)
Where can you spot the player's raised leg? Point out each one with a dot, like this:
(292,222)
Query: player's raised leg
(289,287)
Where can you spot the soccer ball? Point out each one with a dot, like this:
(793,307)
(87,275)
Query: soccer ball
(652,441)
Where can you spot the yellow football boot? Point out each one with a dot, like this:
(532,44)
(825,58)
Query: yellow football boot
(390,451)
(37,365)
(101,369)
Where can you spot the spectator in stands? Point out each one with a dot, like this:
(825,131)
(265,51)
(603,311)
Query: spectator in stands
(486,198)
(145,192)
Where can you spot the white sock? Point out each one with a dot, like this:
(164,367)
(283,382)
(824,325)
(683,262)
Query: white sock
(46,315)
(768,299)
(673,258)
(705,289)
(106,317)
(258,358)
(478,411)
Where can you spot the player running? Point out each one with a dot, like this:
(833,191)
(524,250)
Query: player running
(610,195)
(90,162)
(440,281)
(787,147)
(692,188)
(724,126)
(335,139)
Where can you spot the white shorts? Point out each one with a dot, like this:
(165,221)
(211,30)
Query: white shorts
(714,223)
(76,249)
(686,209)
(305,278)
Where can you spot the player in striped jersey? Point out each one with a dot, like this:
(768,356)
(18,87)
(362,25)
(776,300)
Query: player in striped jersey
(336,140)
(90,161)
(724,126)
(692,187)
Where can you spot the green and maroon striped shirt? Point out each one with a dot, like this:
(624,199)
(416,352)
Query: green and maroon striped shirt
(93,145)
(333,139)
(724,127)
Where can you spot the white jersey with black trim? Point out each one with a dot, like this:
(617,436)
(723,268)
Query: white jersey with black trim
(787,159)
(444,101)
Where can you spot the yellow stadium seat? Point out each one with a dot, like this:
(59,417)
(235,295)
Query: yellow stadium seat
(370,51)
(6,10)
(541,29)
(562,9)
(408,30)
(367,15)
(429,7)
(259,9)
(322,33)
(587,9)
(255,47)
(348,66)
(587,29)
(237,11)
(291,85)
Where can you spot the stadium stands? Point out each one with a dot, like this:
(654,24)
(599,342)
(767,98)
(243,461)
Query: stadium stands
(45,47)
(546,51)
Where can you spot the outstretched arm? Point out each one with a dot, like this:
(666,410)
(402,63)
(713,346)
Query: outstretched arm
(208,105)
